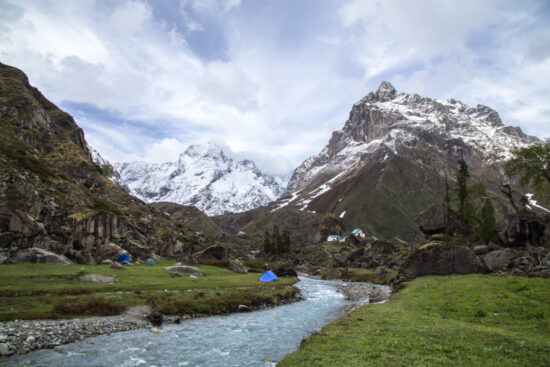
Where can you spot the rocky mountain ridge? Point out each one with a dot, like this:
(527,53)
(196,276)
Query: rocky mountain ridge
(56,203)
(391,157)
(205,177)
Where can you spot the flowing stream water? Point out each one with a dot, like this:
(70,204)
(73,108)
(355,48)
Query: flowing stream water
(259,338)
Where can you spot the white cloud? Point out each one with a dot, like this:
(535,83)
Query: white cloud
(281,84)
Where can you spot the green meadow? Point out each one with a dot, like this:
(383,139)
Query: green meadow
(37,291)
(459,320)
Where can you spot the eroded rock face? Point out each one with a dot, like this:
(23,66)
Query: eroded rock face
(441,259)
(215,252)
(432,220)
(53,196)
(500,259)
(526,228)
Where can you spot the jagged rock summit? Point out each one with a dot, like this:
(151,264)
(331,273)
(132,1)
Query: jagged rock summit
(389,160)
(205,177)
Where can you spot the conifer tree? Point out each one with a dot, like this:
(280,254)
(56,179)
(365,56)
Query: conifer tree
(276,242)
(447,208)
(462,175)
(267,243)
(286,241)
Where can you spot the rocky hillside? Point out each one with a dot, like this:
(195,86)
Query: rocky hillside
(390,160)
(56,204)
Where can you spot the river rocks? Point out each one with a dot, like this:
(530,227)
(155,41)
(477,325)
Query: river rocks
(156,330)
(38,255)
(215,252)
(23,336)
(244,308)
(95,278)
(115,265)
(500,259)
(156,318)
(191,270)
(356,291)
(237,267)
(441,259)
(378,295)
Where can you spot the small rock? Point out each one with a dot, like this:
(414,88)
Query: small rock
(96,278)
(185,269)
(107,261)
(4,349)
(30,339)
(116,265)
(155,330)
(175,275)
(244,308)
(3,337)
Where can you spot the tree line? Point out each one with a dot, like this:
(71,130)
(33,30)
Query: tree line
(277,243)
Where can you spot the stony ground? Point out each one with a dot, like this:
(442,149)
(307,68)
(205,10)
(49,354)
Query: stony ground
(357,291)
(22,336)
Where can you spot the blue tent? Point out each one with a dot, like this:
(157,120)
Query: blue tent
(268,276)
(123,257)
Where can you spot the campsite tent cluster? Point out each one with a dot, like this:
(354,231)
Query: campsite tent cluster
(268,276)
(357,232)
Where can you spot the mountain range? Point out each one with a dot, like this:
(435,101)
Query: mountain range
(204,177)
(391,158)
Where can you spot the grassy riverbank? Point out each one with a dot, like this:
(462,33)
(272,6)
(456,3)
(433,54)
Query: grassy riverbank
(36,291)
(469,320)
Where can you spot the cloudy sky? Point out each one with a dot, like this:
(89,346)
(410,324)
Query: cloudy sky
(270,79)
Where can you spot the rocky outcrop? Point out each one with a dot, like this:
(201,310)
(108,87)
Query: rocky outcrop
(215,252)
(38,255)
(524,228)
(391,159)
(441,259)
(500,259)
(53,196)
(237,267)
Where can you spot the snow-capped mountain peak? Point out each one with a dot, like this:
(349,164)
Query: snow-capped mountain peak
(430,133)
(206,177)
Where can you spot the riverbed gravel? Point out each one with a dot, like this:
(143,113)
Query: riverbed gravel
(22,336)
(358,291)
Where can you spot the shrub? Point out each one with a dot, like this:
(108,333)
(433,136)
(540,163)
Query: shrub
(97,306)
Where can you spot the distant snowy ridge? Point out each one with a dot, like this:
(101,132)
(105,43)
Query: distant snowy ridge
(205,177)
(114,175)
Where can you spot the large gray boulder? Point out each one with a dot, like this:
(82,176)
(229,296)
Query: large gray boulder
(95,278)
(432,220)
(191,270)
(39,255)
(108,251)
(500,259)
(441,259)
(237,267)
